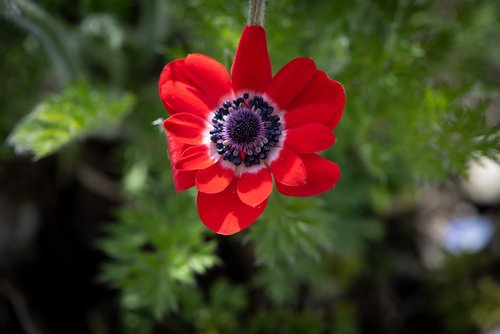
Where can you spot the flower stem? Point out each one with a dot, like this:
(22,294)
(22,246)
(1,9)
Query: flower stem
(256,12)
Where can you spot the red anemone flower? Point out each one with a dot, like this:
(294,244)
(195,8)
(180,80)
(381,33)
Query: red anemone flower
(228,134)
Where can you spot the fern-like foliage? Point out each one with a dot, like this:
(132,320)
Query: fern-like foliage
(77,111)
(155,254)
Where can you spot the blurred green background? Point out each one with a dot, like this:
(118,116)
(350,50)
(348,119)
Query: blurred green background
(93,238)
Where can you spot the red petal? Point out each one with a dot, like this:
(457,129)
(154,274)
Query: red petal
(309,113)
(179,97)
(187,128)
(287,168)
(309,138)
(251,67)
(224,213)
(174,71)
(291,80)
(214,179)
(195,158)
(254,188)
(182,179)
(322,175)
(323,89)
(209,76)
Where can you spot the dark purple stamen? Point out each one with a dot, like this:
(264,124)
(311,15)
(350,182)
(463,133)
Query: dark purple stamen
(243,126)
(245,130)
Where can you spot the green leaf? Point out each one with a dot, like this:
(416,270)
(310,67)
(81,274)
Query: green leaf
(290,240)
(218,312)
(77,111)
(156,254)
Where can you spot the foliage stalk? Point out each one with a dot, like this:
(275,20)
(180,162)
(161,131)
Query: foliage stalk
(256,10)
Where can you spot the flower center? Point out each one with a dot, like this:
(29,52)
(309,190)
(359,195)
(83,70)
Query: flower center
(244,126)
(245,130)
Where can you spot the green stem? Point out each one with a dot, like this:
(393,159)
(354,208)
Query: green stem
(256,10)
